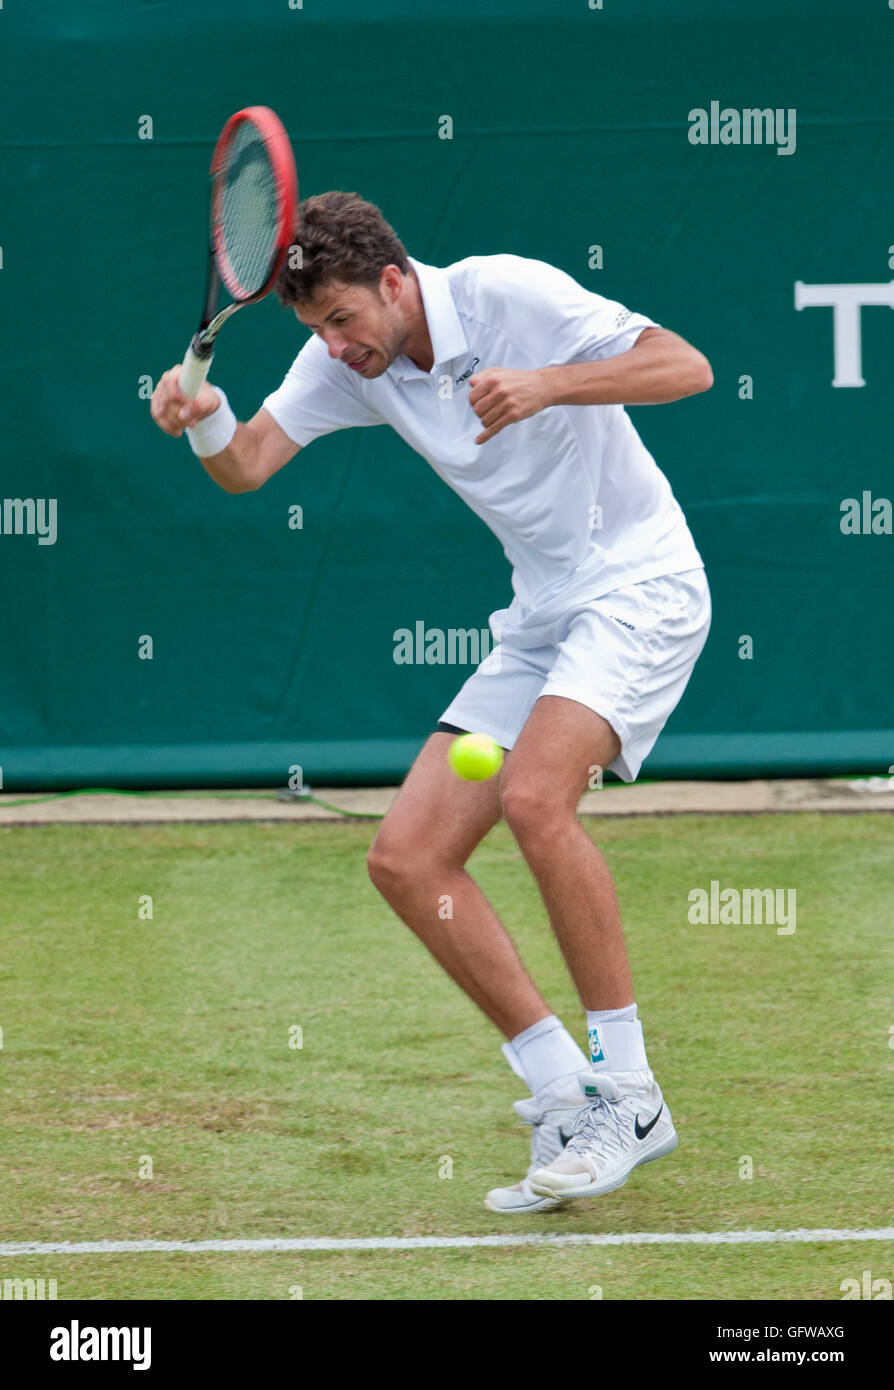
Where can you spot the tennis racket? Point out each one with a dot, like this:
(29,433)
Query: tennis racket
(254,197)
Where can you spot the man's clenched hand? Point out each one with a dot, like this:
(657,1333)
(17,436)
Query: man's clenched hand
(502,396)
(173,412)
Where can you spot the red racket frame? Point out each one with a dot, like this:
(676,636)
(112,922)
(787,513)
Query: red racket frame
(279,152)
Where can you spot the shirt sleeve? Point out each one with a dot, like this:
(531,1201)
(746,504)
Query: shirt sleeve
(556,319)
(318,396)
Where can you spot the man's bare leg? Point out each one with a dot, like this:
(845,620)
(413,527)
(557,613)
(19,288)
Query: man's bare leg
(542,782)
(416,861)
(627,1122)
(418,857)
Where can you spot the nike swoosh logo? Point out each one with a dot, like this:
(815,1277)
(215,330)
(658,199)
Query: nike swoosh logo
(642,1131)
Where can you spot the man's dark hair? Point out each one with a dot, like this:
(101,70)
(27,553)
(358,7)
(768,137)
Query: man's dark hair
(342,238)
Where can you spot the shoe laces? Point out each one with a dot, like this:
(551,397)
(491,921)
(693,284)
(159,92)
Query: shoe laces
(598,1123)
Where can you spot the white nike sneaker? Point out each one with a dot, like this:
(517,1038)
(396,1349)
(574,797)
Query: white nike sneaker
(619,1128)
(552,1113)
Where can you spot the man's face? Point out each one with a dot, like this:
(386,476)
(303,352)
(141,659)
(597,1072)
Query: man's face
(360,326)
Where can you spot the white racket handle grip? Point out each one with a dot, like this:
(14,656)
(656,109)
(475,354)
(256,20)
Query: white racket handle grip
(193,373)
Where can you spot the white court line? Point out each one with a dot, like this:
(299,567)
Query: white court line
(310,1243)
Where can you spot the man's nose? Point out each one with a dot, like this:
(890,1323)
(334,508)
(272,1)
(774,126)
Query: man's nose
(336,345)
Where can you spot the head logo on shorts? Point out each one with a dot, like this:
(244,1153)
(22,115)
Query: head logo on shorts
(596,1052)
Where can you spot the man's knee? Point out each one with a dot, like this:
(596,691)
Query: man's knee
(534,812)
(395,861)
(383,862)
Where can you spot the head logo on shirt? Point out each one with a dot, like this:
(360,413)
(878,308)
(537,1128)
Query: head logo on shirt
(466,374)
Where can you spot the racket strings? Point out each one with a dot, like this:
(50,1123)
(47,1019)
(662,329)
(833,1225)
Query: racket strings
(248,212)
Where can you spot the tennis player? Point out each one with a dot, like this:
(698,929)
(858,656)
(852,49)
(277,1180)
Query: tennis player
(511,381)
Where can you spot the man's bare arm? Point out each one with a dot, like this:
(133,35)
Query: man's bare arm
(660,367)
(256,451)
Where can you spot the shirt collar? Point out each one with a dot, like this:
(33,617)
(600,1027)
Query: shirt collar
(448,339)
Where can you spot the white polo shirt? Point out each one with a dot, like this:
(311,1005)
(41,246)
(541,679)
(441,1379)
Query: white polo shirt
(573,495)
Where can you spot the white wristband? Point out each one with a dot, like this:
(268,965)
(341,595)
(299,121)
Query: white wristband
(215,432)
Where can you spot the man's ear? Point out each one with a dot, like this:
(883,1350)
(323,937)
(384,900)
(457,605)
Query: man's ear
(391,283)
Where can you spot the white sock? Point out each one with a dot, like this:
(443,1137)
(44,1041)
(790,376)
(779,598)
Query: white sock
(543,1053)
(616,1041)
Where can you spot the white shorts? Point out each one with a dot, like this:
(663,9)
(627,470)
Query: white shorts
(627,655)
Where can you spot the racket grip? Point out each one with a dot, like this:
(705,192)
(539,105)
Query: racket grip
(193,373)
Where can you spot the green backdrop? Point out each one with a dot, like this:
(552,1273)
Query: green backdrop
(273,646)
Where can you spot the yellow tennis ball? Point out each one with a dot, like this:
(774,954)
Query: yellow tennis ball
(475,757)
